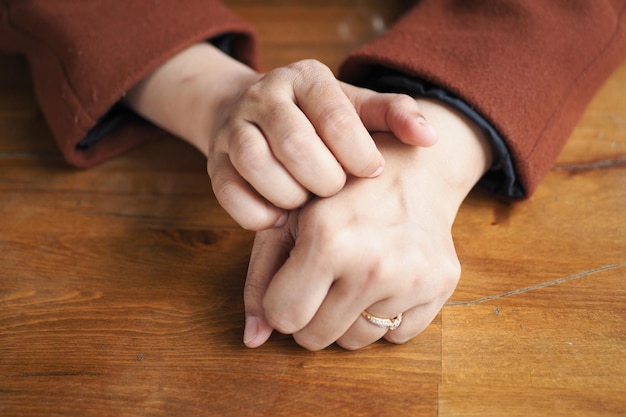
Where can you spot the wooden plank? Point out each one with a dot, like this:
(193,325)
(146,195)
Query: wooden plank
(515,401)
(558,350)
(290,31)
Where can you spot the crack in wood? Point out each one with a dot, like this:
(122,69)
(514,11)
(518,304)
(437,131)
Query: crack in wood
(588,166)
(537,286)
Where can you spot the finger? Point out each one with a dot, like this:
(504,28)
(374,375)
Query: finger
(388,301)
(340,319)
(414,322)
(338,313)
(321,98)
(363,333)
(236,196)
(298,288)
(396,113)
(295,143)
(269,252)
(317,295)
(252,157)
(338,288)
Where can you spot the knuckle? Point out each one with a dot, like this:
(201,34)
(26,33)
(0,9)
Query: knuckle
(338,119)
(321,223)
(442,274)
(332,185)
(366,167)
(253,95)
(379,268)
(398,338)
(225,190)
(310,77)
(342,130)
(330,240)
(256,221)
(402,101)
(281,322)
(400,109)
(349,345)
(252,223)
(306,66)
(287,319)
(292,200)
(293,145)
(227,193)
(375,275)
(304,72)
(309,342)
(450,279)
(341,123)
(248,155)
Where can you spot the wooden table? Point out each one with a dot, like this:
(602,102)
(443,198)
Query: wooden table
(121,286)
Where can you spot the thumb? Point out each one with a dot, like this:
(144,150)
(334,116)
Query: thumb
(269,252)
(399,114)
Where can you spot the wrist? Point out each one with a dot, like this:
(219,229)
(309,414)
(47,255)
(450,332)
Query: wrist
(447,171)
(463,154)
(184,95)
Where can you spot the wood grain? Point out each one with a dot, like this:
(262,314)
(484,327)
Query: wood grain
(121,286)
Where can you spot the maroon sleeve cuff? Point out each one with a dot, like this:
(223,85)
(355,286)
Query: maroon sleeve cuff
(85,55)
(529,68)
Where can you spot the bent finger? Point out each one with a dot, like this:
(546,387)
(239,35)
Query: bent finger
(251,156)
(294,142)
(298,288)
(338,124)
(414,322)
(337,315)
(238,198)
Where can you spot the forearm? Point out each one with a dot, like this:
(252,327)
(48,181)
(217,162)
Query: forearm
(183,95)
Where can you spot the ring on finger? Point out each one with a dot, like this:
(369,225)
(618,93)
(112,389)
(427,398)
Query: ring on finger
(385,323)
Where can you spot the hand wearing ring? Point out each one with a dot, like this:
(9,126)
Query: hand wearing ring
(381,245)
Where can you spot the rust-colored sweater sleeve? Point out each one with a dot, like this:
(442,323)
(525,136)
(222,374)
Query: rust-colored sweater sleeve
(530,67)
(84,55)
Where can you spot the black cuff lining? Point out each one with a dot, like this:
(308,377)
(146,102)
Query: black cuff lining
(501,178)
(119,114)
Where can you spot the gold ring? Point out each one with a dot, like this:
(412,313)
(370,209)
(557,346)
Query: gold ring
(389,324)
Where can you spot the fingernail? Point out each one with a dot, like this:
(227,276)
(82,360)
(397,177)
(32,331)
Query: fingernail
(377,172)
(422,121)
(251,329)
(281,220)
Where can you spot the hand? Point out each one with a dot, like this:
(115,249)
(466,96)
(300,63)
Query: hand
(273,140)
(293,133)
(383,245)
